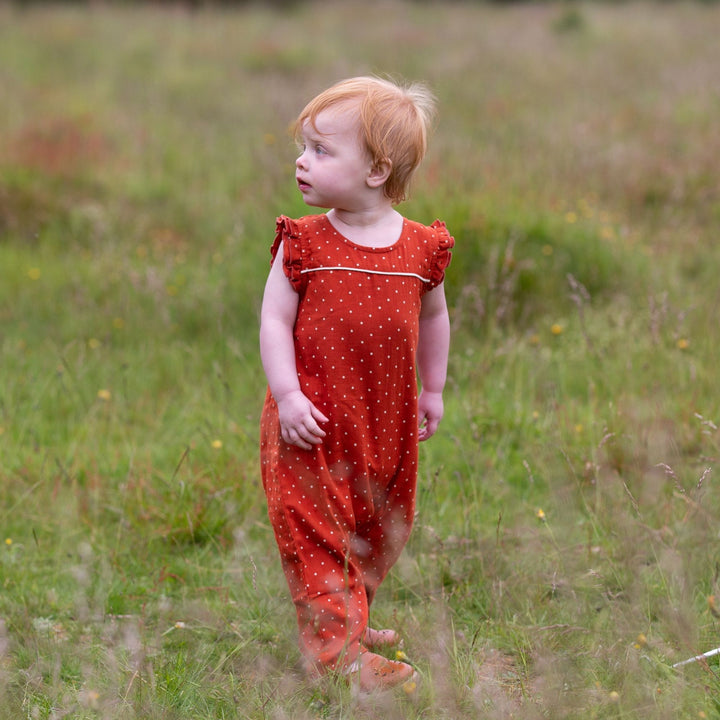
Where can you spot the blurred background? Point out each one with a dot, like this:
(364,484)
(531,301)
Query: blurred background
(144,156)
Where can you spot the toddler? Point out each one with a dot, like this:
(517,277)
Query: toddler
(353,313)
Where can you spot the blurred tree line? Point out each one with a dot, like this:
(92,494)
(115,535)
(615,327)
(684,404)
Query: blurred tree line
(280,4)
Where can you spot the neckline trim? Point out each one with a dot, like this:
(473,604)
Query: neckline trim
(367,248)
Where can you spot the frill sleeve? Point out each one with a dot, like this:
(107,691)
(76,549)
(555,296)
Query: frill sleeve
(442,256)
(287,233)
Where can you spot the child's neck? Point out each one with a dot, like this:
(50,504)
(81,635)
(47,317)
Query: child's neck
(377,227)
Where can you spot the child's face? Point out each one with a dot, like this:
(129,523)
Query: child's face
(333,167)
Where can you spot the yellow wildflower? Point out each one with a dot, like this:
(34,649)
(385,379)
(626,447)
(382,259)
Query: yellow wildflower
(409,687)
(608,233)
(712,606)
(89,698)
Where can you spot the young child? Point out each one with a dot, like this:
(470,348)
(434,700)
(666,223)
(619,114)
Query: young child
(354,304)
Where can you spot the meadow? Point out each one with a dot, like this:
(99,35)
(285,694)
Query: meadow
(565,554)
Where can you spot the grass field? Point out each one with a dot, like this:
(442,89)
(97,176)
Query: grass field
(565,554)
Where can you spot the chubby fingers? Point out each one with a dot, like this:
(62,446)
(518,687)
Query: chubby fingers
(303,435)
(318,416)
(305,431)
(428,427)
(430,413)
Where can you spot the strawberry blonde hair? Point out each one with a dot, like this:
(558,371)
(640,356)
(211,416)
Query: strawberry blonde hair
(394,123)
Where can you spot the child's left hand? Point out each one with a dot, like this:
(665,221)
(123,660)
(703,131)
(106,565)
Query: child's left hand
(430,412)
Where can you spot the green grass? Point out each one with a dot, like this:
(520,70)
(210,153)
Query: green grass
(565,550)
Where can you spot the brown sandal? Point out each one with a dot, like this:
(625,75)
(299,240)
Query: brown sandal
(374,672)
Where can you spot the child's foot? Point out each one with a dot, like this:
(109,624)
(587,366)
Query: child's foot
(377,639)
(374,672)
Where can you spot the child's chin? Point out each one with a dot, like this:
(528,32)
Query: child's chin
(314,203)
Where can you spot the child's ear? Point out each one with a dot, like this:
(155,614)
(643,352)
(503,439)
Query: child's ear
(379,173)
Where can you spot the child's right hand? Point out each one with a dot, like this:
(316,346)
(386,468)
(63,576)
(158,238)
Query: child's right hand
(299,420)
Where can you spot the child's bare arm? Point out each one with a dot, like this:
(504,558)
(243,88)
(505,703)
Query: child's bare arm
(299,418)
(432,358)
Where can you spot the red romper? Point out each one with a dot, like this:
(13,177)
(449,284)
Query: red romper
(342,511)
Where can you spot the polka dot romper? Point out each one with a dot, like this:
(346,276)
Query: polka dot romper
(342,511)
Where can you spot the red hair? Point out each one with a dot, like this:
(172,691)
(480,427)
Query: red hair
(394,123)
